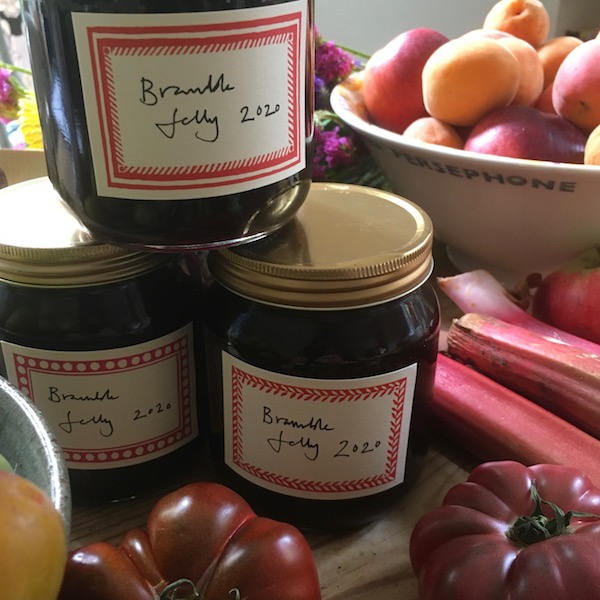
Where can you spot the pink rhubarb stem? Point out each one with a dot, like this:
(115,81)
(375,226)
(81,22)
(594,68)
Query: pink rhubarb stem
(560,377)
(495,423)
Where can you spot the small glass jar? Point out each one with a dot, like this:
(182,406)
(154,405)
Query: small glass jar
(102,340)
(321,344)
(176,124)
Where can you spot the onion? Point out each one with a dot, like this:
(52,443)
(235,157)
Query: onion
(479,291)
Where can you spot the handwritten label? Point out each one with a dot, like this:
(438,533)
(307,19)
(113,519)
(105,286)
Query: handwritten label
(112,408)
(193,105)
(317,438)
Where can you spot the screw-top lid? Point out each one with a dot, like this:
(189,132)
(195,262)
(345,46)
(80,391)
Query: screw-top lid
(347,246)
(43,243)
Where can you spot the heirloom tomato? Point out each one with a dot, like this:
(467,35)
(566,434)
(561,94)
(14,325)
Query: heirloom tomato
(511,532)
(202,541)
(33,545)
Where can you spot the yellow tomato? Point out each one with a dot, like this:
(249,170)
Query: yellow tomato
(33,544)
(4,464)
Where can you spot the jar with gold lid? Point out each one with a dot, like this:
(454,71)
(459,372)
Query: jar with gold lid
(321,344)
(101,339)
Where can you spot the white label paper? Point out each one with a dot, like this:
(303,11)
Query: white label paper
(317,438)
(112,408)
(193,105)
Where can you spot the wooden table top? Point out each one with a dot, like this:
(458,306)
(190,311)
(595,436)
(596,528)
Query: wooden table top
(371,563)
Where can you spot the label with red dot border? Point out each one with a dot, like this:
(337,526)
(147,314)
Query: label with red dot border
(112,408)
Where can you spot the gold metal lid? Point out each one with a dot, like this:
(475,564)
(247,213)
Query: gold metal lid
(347,246)
(43,243)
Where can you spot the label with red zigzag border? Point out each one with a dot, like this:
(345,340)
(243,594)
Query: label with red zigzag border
(317,438)
(194,105)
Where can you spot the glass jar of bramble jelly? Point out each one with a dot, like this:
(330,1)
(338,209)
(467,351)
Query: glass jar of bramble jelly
(101,339)
(175,124)
(321,345)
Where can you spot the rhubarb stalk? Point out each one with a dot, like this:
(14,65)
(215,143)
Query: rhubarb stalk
(495,423)
(562,378)
(479,291)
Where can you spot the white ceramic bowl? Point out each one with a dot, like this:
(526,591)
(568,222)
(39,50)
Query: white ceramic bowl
(505,214)
(28,444)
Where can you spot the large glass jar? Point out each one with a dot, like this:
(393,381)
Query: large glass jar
(175,124)
(102,340)
(321,345)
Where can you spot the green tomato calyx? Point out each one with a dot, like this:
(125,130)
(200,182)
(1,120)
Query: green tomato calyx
(538,527)
(185,589)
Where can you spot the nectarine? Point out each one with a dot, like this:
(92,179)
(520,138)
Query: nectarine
(525,132)
(392,89)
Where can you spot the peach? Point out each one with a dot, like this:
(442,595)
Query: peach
(391,86)
(525,19)
(553,52)
(576,88)
(433,131)
(466,78)
(531,83)
(591,153)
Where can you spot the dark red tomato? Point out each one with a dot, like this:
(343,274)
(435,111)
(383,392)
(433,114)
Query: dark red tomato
(511,532)
(202,541)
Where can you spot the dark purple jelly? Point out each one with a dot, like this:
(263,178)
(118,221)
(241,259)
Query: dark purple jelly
(149,216)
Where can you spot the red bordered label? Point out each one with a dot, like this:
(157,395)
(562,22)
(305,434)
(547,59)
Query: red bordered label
(317,438)
(194,105)
(112,408)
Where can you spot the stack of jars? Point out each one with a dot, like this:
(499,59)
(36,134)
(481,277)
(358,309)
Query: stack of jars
(177,278)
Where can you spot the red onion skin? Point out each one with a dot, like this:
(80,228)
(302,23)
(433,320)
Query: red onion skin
(479,291)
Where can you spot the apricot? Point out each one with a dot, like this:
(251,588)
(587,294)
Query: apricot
(531,83)
(464,79)
(544,102)
(489,33)
(525,19)
(576,88)
(433,131)
(553,52)
(591,153)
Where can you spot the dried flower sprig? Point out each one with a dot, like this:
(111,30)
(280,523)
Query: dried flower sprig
(340,154)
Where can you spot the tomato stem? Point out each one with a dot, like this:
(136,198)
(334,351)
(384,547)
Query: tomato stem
(175,588)
(537,527)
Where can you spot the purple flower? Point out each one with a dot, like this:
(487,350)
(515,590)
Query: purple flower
(321,95)
(332,63)
(10,92)
(339,153)
(332,151)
